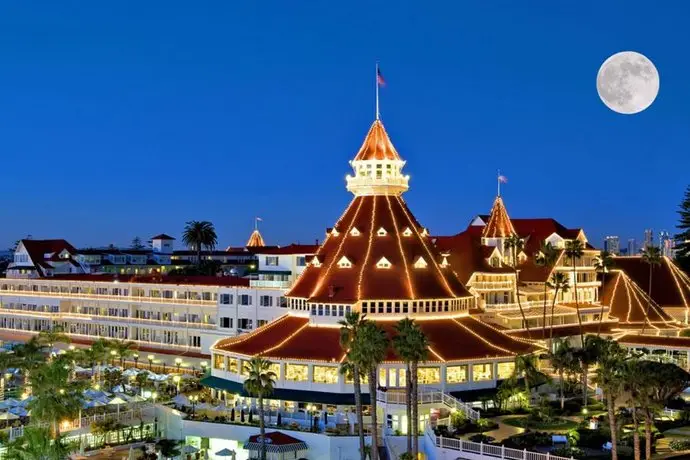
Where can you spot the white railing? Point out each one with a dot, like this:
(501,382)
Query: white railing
(479,450)
(490,285)
(429,396)
(269,284)
(121,298)
(514,305)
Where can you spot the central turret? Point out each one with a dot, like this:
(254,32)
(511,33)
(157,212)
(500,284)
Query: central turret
(377,166)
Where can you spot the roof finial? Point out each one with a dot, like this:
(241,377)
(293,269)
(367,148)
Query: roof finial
(379,82)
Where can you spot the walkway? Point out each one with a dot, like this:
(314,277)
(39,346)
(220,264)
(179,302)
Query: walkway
(504,430)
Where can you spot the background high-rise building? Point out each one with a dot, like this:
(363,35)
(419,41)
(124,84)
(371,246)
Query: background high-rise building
(632,247)
(612,245)
(648,238)
(667,244)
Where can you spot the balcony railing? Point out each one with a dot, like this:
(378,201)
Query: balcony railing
(269,284)
(492,285)
(428,396)
(119,298)
(515,305)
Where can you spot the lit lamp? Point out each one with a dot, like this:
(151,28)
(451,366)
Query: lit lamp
(154,395)
(193,399)
(135,356)
(113,354)
(71,348)
(176,380)
(178,363)
(203,365)
(150,358)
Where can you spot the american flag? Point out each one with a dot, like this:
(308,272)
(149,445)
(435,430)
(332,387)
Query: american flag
(502,179)
(379,77)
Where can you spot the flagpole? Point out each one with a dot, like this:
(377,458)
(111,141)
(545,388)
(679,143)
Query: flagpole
(498,180)
(376,79)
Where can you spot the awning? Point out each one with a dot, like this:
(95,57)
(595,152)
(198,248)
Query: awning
(284,394)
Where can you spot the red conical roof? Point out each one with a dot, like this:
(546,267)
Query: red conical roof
(499,225)
(255,240)
(377,145)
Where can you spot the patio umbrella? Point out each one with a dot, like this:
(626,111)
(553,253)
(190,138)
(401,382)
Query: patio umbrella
(117,401)
(189,450)
(8,416)
(20,411)
(130,373)
(225,453)
(25,402)
(180,400)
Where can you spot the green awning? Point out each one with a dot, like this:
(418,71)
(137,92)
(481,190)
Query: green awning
(284,394)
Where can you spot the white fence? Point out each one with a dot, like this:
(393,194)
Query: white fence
(429,396)
(478,450)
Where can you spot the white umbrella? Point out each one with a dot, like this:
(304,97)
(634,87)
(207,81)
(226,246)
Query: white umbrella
(8,416)
(131,373)
(180,400)
(203,406)
(117,401)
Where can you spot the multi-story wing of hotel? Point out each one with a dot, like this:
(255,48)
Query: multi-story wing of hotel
(479,303)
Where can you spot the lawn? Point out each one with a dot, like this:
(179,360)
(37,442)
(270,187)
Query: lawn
(555,424)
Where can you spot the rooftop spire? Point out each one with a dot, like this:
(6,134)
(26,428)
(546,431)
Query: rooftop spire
(499,225)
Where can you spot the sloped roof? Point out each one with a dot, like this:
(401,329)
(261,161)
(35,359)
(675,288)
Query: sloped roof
(39,249)
(162,236)
(451,339)
(630,304)
(377,145)
(307,249)
(670,285)
(255,240)
(364,248)
(499,224)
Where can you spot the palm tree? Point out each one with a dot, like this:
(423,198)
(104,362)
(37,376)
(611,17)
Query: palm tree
(52,336)
(546,258)
(373,345)
(587,356)
(418,347)
(168,448)
(610,377)
(36,444)
(652,256)
(559,282)
(99,351)
(574,250)
(634,383)
(123,349)
(349,329)
(259,383)
(198,235)
(562,360)
(56,398)
(515,245)
(602,264)
(401,346)
(30,355)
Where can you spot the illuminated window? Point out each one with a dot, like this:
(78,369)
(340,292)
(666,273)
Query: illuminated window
(232,365)
(245,368)
(275,368)
(420,263)
(444,262)
(334,232)
(456,374)
(218,362)
(505,370)
(482,372)
(382,232)
(344,262)
(354,232)
(296,372)
(383,263)
(425,232)
(429,375)
(407,232)
(325,374)
(402,376)
(382,376)
(363,378)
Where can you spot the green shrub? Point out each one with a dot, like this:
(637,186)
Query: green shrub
(458,419)
(593,439)
(567,451)
(680,444)
(528,440)
(482,438)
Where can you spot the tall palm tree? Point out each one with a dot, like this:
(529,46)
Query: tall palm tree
(559,282)
(349,329)
(635,383)
(373,345)
(123,349)
(515,245)
(546,258)
(651,256)
(56,397)
(36,444)
(418,347)
(610,377)
(52,336)
(259,383)
(30,356)
(526,365)
(98,353)
(401,346)
(563,361)
(587,356)
(602,264)
(574,250)
(198,235)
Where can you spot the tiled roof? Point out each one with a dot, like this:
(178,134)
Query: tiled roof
(377,145)
(451,339)
(162,236)
(499,224)
(306,249)
(628,303)
(655,340)
(359,241)
(276,438)
(670,285)
(39,249)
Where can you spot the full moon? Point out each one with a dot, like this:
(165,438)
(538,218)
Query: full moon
(628,82)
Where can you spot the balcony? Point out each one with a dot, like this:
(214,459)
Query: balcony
(515,305)
(492,285)
(120,298)
(269,284)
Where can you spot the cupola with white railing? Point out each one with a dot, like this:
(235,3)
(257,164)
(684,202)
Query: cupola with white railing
(377,166)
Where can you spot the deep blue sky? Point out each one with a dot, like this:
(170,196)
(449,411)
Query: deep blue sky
(129,118)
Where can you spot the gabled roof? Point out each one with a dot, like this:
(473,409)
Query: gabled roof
(377,145)
(364,281)
(40,251)
(162,236)
(499,224)
(255,240)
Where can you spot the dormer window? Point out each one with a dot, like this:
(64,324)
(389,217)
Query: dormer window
(420,263)
(334,232)
(381,232)
(344,262)
(407,232)
(444,262)
(383,263)
(425,232)
(316,262)
(354,232)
